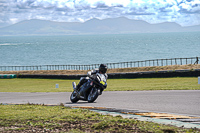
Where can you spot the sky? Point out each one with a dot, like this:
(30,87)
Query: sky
(183,12)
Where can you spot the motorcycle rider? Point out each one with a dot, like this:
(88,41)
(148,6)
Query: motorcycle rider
(101,70)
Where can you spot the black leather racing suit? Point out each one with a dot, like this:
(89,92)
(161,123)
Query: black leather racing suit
(91,73)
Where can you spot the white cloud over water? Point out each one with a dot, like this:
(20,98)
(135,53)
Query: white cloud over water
(183,12)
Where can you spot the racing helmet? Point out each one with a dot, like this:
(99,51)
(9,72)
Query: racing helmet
(103,68)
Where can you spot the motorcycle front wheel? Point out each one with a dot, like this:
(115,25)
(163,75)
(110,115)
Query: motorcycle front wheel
(74,97)
(93,95)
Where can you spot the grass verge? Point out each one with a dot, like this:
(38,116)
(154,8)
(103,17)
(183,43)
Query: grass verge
(38,118)
(49,85)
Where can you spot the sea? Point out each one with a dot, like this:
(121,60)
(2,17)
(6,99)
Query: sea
(96,49)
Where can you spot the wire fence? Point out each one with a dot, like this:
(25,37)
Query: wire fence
(145,63)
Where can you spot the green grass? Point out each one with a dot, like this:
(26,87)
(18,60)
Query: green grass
(30,118)
(154,84)
(49,85)
(35,85)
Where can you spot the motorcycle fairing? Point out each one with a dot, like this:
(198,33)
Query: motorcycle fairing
(84,89)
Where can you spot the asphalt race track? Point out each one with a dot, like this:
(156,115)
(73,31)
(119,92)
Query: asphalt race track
(169,101)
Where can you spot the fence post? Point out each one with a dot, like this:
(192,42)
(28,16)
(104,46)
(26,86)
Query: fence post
(157,63)
(175,62)
(181,61)
(197,60)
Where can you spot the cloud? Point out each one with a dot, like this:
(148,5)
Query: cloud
(152,11)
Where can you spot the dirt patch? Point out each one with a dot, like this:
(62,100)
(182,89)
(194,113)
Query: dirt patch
(117,70)
(78,126)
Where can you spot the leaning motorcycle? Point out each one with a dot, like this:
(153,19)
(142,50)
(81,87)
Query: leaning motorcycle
(90,90)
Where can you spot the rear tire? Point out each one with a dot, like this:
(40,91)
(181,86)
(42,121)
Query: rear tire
(74,97)
(93,95)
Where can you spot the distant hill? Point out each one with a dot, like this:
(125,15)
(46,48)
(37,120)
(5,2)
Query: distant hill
(119,25)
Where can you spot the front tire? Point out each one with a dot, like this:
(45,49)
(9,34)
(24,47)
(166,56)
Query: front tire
(93,95)
(74,97)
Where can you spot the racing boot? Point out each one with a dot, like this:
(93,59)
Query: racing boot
(74,85)
(82,81)
(78,87)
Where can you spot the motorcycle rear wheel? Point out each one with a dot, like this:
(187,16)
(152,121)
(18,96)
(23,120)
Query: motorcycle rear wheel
(74,97)
(93,95)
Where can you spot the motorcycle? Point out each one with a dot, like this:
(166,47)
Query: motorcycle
(90,90)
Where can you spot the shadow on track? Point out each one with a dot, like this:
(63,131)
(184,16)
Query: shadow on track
(78,103)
